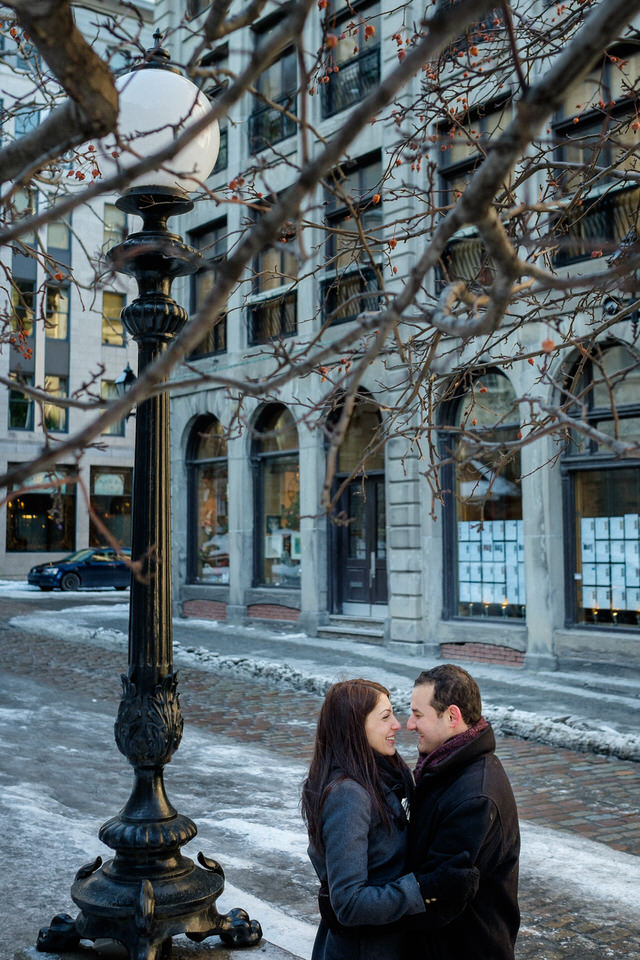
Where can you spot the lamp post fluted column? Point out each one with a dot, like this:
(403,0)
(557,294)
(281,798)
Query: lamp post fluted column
(149,891)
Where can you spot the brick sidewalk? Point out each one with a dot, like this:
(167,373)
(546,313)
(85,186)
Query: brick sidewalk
(593,796)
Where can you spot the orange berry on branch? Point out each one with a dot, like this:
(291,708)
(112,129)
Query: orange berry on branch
(332,41)
(548,345)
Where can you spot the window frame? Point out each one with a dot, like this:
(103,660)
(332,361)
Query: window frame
(193,466)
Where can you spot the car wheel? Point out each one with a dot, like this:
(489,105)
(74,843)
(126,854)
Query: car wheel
(70,581)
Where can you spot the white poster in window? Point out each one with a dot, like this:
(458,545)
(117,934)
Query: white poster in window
(631,551)
(633,599)
(499,552)
(463,572)
(487,572)
(487,551)
(632,574)
(463,529)
(618,598)
(487,535)
(475,592)
(618,552)
(521,580)
(617,574)
(589,599)
(273,546)
(474,531)
(588,551)
(587,529)
(603,574)
(589,574)
(511,553)
(463,550)
(616,528)
(510,530)
(603,551)
(475,572)
(631,526)
(500,572)
(464,592)
(498,529)
(603,598)
(475,552)
(602,528)
(520,551)
(522,597)
(487,593)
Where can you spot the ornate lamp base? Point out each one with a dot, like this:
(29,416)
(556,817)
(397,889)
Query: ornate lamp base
(144,916)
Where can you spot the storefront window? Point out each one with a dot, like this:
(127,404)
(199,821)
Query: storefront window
(602,504)
(111,504)
(485,573)
(42,517)
(278,547)
(209,503)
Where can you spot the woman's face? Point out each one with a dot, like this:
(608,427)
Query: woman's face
(380,727)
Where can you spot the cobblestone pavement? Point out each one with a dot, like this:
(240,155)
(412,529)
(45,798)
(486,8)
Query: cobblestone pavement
(596,797)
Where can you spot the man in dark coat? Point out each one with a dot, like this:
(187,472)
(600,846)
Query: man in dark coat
(463,804)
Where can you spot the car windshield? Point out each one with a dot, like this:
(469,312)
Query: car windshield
(77,556)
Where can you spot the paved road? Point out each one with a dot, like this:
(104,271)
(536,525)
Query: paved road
(576,794)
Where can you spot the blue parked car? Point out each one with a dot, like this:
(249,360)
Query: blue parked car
(99,567)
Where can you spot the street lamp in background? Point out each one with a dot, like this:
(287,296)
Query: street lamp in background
(149,892)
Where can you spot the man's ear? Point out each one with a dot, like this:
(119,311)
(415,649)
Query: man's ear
(455,717)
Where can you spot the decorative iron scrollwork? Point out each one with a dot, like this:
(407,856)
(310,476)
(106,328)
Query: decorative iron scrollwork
(149,726)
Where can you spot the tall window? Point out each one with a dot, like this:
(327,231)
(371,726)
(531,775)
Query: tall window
(25,204)
(273,306)
(218,61)
(20,406)
(110,500)
(602,493)
(208,503)
(22,304)
(109,391)
(354,227)
(212,243)
(114,226)
(42,518)
(484,546)
(59,235)
(461,148)
(112,326)
(277,543)
(595,131)
(55,417)
(356,57)
(277,87)
(56,325)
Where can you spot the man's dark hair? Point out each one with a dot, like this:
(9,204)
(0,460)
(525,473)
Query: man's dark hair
(453,685)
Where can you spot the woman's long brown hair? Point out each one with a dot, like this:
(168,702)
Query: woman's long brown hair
(342,751)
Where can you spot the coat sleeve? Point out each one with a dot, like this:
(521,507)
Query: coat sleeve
(470,831)
(346,815)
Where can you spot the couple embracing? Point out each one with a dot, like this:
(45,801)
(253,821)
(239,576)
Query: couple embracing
(424,870)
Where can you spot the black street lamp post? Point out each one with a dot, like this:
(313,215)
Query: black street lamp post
(150,892)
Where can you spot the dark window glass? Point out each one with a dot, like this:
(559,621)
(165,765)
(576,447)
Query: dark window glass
(56,325)
(42,519)
(277,84)
(277,546)
(112,327)
(111,504)
(484,517)
(109,391)
(209,503)
(20,407)
(212,243)
(357,58)
(22,303)
(55,417)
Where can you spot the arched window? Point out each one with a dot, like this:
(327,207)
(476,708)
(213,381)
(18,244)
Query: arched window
(277,548)
(208,546)
(484,549)
(602,491)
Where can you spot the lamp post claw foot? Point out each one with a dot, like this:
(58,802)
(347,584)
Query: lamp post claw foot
(61,935)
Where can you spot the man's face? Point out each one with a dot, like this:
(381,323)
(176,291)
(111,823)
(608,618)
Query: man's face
(432,730)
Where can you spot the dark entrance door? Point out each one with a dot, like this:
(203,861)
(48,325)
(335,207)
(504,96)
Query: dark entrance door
(362,549)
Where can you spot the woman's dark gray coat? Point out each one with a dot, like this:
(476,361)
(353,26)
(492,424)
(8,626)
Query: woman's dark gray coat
(364,866)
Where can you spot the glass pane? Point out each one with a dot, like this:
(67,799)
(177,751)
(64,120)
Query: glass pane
(212,491)
(490,401)
(42,520)
(112,326)
(115,226)
(357,529)
(20,409)
(211,441)
(281,521)
(275,430)
(57,320)
(607,546)
(111,502)
(363,430)
(616,379)
(489,534)
(108,391)
(22,302)
(55,418)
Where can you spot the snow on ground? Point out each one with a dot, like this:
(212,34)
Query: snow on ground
(573,732)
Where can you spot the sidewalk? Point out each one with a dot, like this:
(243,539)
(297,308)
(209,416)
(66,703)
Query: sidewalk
(579,710)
